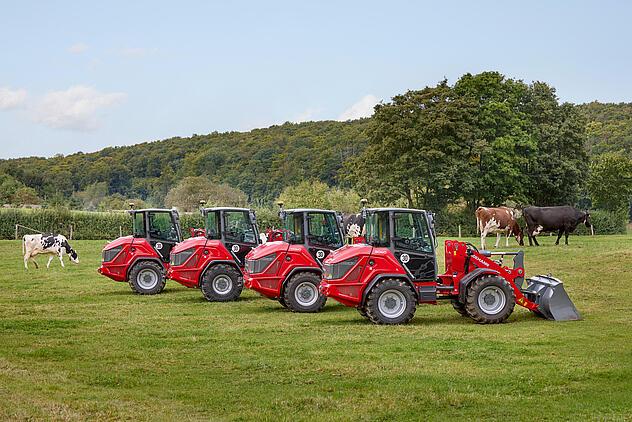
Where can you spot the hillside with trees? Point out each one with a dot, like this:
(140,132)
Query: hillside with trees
(484,140)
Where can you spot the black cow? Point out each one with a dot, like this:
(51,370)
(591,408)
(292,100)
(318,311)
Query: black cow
(550,219)
(353,225)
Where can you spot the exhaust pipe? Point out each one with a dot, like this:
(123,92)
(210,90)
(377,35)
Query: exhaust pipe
(553,302)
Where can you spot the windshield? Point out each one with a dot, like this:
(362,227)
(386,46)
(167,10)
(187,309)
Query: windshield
(411,232)
(377,230)
(138,223)
(211,225)
(162,227)
(323,230)
(293,228)
(239,228)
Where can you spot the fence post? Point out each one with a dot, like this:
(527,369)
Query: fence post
(16,231)
(71,232)
(459,230)
(120,231)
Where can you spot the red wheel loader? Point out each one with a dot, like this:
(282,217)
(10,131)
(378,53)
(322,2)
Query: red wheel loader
(142,259)
(290,270)
(386,278)
(213,262)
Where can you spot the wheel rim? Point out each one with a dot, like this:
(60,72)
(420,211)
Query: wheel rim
(306,294)
(392,303)
(492,300)
(222,284)
(147,279)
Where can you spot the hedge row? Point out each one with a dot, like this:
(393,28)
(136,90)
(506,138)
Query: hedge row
(108,225)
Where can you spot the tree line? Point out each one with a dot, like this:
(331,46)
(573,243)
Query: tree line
(484,140)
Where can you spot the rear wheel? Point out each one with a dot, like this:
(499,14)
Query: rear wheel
(391,302)
(362,310)
(490,300)
(147,278)
(222,283)
(301,293)
(459,307)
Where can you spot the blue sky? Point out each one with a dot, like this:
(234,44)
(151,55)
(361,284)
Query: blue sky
(80,76)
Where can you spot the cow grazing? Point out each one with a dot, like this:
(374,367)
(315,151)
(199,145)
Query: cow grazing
(563,219)
(498,220)
(353,225)
(47,244)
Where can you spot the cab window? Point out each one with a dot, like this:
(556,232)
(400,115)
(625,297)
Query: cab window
(139,225)
(293,228)
(377,229)
(323,230)
(238,227)
(161,227)
(212,226)
(411,232)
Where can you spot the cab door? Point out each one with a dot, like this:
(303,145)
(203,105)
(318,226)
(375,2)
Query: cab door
(413,244)
(162,232)
(240,234)
(323,235)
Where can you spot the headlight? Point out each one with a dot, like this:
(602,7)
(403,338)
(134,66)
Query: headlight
(181,257)
(256,266)
(110,254)
(337,271)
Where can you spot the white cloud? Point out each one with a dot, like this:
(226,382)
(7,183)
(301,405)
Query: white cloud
(137,51)
(75,108)
(308,115)
(360,109)
(10,99)
(78,48)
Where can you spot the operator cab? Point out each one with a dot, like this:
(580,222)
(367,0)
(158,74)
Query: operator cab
(318,230)
(160,227)
(409,234)
(236,228)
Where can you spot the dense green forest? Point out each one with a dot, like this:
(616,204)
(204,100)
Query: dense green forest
(486,139)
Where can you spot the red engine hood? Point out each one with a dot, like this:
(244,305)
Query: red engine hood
(193,242)
(347,252)
(125,240)
(267,249)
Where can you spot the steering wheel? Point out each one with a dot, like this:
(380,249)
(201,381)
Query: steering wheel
(471,246)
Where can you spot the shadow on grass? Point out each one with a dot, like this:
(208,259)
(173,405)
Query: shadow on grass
(280,309)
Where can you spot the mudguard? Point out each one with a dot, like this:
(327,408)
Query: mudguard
(470,277)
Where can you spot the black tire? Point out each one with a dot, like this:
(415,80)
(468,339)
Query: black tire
(459,307)
(398,290)
(282,302)
(499,288)
(299,286)
(147,278)
(222,283)
(362,312)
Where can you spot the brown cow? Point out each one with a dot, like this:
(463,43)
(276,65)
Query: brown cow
(498,220)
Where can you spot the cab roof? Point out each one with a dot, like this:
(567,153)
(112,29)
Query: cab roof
(394,209)
(153,210)
(297,210)
(225,209)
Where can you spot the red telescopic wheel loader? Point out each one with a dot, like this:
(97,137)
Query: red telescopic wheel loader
(396,269)
(290,270)
(142,259)
(214,262)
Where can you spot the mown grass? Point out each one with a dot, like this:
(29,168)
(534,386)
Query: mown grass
(75,345)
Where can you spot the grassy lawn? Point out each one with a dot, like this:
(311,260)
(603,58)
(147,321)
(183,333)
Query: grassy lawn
(75,345)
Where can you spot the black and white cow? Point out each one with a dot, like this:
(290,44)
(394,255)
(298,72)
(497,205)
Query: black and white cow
(562,219)
(353,225)
(47,244)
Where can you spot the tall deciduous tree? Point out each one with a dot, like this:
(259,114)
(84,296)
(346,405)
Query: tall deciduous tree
(610,182)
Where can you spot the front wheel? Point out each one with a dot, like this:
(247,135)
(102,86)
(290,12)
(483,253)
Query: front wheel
(301,293)
(222,283)
(391,302)
(490,300)
(147,278)
(459,307)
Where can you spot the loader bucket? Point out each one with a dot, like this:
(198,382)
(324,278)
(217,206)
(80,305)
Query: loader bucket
(553,303)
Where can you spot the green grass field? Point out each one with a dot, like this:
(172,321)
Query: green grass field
(75,345)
